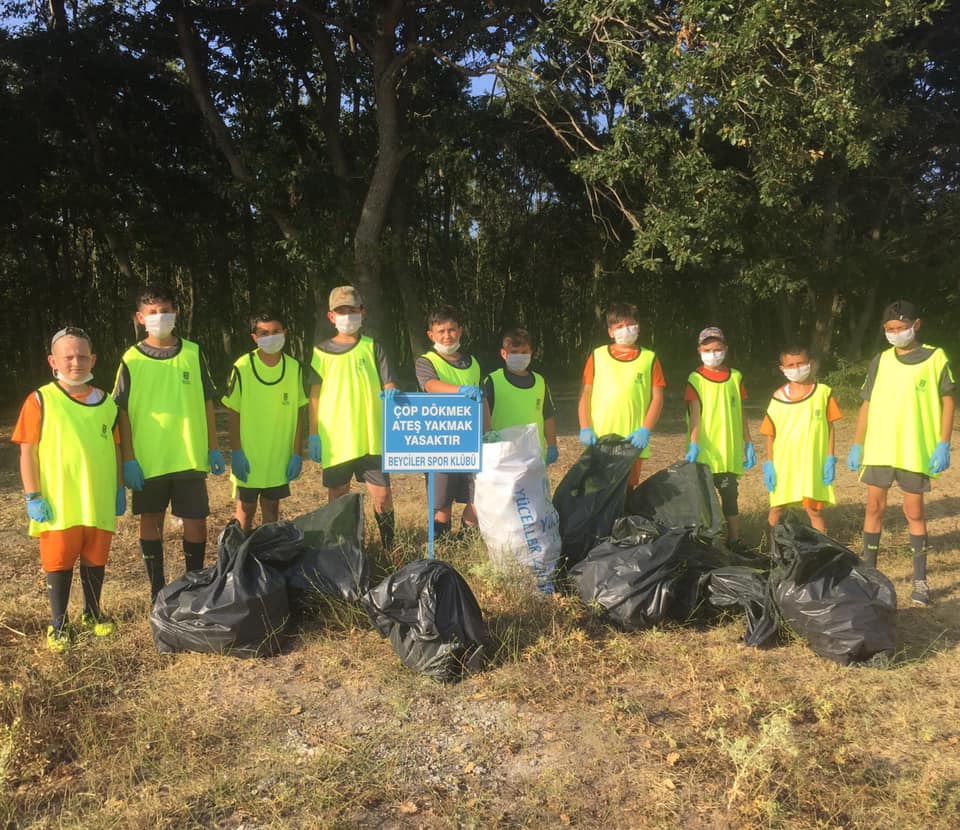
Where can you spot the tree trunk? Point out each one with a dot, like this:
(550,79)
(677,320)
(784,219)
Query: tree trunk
(411,296)
(859,328)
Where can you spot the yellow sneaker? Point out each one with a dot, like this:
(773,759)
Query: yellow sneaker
(58,641)
(103,627)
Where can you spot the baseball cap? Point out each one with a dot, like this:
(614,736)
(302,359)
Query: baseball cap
(900,310)
(345,295)
(710,333)
(69,331)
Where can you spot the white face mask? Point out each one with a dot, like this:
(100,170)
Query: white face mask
(626,335)
(713,359)
(71,381)
(453,348)
(798,374)
(271,343)
(517,362)
(159,325)
(348,323)
(901,339)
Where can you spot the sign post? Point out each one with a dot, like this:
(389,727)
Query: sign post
(426,433)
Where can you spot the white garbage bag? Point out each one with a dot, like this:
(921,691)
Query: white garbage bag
(518,522)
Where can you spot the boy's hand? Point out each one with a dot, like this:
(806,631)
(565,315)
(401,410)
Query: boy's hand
(639,438)
(750,459)
(121,505)
(133,474)
(588,437)
(314,446)
(475,393)
(39,509)
(855,457)
(940,460)
(552,454)
(692,452)
(217,463)
(829,470)
(769,476)
(294,466)
(240,464)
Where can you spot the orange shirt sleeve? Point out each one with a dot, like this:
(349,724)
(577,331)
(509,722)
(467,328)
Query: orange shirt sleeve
(658,378)
(833,411)
(690,394)
(27,430)
(767,428)
(588,371)
(743,391)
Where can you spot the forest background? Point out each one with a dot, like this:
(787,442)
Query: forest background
(782,168)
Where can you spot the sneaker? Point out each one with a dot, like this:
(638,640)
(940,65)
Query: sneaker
(102,627)
(921,593)
(58,640)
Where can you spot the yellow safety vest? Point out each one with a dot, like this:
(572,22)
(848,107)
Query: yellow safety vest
(167,411)
(268,400)
(721,422)
(513,406)
(449,373)
(78,461)
(621,393)
(801,445)
(903,421)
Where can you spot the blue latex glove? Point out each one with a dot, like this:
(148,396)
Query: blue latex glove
(588,437)
(133,474)
(750,461)
(472,392)
(692,452)
(769,476)
(121,506)
(639,438)
(829,470)
(389,394)
(552,454)
(855,457)
(940,460)
(39,509)
(314,444)
(294,466)
(217,463)
(240,464)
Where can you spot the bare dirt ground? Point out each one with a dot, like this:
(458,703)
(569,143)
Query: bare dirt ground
(574,724)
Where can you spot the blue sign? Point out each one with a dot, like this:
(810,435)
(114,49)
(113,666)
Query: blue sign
(425,433)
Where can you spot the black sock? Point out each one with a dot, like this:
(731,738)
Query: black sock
(58,587)
(918,545)
(871,548)
(193,555)
(152,550)
(91,580)
(386,523)
(440,529)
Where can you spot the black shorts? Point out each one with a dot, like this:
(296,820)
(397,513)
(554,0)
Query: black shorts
(185,493)
(727,487)
(366,469)
(883,477)
(249,495)
(452,487)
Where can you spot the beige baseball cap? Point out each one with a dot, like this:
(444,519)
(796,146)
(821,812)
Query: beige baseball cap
(345,295)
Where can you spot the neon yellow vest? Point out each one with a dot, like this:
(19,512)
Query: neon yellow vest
(349,411)
(78,461)
(621,394)
(903,421)
(801,445)
(721,422)
(449,373)
(167,411)
(513,406)
(268,400)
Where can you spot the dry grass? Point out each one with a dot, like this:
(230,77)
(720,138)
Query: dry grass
(573,724)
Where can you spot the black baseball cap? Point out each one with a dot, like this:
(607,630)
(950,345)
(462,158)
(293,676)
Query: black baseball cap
(900,310)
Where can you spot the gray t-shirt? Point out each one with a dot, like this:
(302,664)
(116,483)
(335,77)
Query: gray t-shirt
(911,358)
(331,346)
(426,371)
(121,390)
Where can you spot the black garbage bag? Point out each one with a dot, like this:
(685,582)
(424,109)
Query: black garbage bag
(681,496)
(590,497)
(846,611)
(432,619)
(238,606)
(639,582)
(339,521)
(746,587)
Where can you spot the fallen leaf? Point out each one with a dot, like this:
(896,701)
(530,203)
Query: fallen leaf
(409,808)
(469,767)
(672,759)
(564,819)
(668,783)
(296,709)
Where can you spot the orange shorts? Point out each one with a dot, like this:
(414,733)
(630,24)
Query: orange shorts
(60,549)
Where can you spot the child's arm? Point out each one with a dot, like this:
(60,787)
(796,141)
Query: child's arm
(550,431)
(832,441)
(30,467)
(655,408)
(212,427)
(126,436)
(770,444)
(233,429)
(946,417)
(583,406)
(440,387)
(486,415)
(694,409)
(861,429)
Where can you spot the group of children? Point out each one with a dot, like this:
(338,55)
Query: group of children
(156,434)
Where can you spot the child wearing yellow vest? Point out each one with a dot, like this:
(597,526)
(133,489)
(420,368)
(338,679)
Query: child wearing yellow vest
(168,433)
(266,401)
(70,468)
(622,392)
(717,432)
(514,395)
(448,370)
(347,373)
(905,437)
(801,464)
